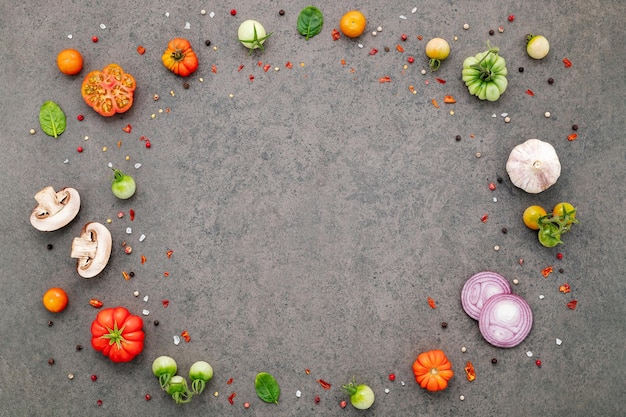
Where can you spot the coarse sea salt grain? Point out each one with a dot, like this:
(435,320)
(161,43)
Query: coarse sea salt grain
(142,238)
(212,15)
(70,36)
(145,299)
(402,17)
(298,393)
(103,26)
(145,312)
(129,230)
(137,165)
(414,9)
(176,340)
(558,341)
(187,25)
(529,354)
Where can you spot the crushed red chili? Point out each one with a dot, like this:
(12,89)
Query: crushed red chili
(169,253)
(565,288)
(431,303)
(547,271)
(435,103)
(132,214)
(530,93)
(385,79)
(567,63)
(399,48)
(165,303)
(127,129)
(335,34)
(214,69)
(449,100)
(141,50)
(143,259)
(572,137)
(185,335)
(240,68)
(440,81)
(572,304)
(94,302)
(231,397)
(470,371)
(324,384)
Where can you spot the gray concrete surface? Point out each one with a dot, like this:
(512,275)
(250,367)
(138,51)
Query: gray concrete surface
(313,213)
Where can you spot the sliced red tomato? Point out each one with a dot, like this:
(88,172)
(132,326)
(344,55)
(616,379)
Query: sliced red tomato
(109,91)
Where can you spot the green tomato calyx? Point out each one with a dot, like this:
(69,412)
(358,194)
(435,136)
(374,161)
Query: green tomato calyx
(434,64)
(115,336)
(255,42)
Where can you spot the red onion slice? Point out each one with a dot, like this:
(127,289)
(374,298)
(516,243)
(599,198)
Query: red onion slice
(505,320)
(479,288)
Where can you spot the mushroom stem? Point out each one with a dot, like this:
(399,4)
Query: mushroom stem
(83,247)
(92,249)
(54,209)
(50,202)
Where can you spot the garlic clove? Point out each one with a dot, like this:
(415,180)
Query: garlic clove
(533,166)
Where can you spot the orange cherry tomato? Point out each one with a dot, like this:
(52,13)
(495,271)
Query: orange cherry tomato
(70,61)
(565,209)
(531,216)
(353,23)
(55,300)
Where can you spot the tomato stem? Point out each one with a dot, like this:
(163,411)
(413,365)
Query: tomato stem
(485,73)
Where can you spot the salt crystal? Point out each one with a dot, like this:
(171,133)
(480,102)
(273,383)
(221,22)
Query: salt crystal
(402,383)
(529,354)
(298,393)
(145,312)
(167,14)
(142,238)
(360,45)
(494,115)
(69,36)
(145,299)
(558,342)
(504,114)
(212,15)
(110,164)
(386,390)
(414,9)
(187,25)
(137,165)
(103,26)
(129,230)
(67,161)
(402,17)
(176,340)
(541,297)
(495,200)
(136,293)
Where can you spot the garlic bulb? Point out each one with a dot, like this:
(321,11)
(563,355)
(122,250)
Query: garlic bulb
(533,166)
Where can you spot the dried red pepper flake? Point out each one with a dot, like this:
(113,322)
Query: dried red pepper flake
(343,62)
(324,384)
(240,68)
(259,63)
(132,214)
(128,128)
(307,371)
(266,67)
(572,137)
(567,63)
(449,99)
(572,304)
(484,218)
(230,381)
(440,81)
(231,398)
(143,259)
(289,65)
(511,18)
(251,77)
(530,93)
(373,51)
(435,103)
(169,253)
(431,303)
(335,34)
(166,274)
(420,37)
(165,303)
(185,335)
(126,276)
(399,48)
(565,288)
(385,79)
(470,371)
(547,271)
(95,303)
(141,50)
(214,69)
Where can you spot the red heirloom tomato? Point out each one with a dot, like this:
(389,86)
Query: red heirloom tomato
(117,334)
(180,58)
(109,91)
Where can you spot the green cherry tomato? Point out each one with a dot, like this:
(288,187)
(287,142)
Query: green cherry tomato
(549,235)
(123,186)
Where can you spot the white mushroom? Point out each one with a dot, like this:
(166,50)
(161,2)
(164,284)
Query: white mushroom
(54,209)
(92,249)
(533,166)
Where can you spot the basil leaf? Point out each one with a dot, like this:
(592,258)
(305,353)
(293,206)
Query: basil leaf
(310,21)
(267,388)
(51,119)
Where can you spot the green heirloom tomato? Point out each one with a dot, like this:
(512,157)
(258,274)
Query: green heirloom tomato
(485,75)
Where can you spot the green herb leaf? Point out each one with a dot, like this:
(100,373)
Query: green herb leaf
(267,388)
(310,21)
(52,119)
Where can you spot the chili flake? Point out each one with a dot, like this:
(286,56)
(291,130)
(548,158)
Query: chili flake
(546,271)
(373,51)
(143,259)
(412,89)
(230,381)
(125,275)
(431,303)
(567,63)
(185,335)
(307,371)
(572,304)
(440,81)
(240,68)
(166,274)
(565,288)
(469,370)
(385,79)
(214,69)
(343,62)
(289,65)
(324,384)
(399,48)
(141,50)
(449,100)
(266,67)
(484,218)
(165,303)
(335,34)
(132,214)
(231,397)
(94,302)
(169,253)
(127,129)
(530,93)
(572,137)
(492,186)
(435,103)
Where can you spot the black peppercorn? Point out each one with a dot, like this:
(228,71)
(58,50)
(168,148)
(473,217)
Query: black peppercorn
(131,273)
(504,230)
(550,81)
(207,42)
(386,49)
(494,361)
(49,246)
(444,324)
(574,127)
(491,32)
(521,69)
(79,347)
(50,361)
(50,323)
(499,179)
(458,138)
(561,270)
(185,85)
(156,322)
(281,12)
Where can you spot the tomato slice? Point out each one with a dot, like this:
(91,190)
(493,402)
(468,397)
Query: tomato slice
(109,91)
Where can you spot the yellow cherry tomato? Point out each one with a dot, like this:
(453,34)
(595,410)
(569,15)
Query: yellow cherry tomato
(531,216)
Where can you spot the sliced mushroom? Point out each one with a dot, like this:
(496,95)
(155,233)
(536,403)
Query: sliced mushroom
(533,166)
(92,249)
(54,209)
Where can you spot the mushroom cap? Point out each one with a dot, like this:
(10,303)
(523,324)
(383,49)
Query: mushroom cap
(55,209)
(92,249)
(533,166)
